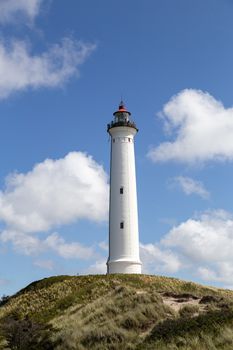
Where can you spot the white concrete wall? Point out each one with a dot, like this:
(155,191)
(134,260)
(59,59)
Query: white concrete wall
(123,243)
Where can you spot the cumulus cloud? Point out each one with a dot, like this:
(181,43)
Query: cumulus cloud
(28,244)
(200,247)
(53,193)
(21,70)
(205,244)
(190,186)
(11,9)
(68,250)
(157,260)
(200,127)
(212,230)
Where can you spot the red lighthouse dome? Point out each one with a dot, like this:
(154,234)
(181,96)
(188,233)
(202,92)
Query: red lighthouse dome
(122,109)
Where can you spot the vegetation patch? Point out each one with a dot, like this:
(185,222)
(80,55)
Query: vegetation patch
(116,312)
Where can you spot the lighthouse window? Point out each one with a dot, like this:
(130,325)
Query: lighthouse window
(122,224)
(121,190)
(129,139)
(113,140)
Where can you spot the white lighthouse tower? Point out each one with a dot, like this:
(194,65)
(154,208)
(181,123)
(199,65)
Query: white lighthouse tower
(123,212)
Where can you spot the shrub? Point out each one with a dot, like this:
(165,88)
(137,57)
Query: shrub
(179,327)
(22,334)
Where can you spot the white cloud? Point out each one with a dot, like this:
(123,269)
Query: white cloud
(55,192)
(72,250)
(201,128)
(23,243)
(208,238)
(207,274)
(11,9)
(205,245)
(200,248)
(154,259)
(44,264)
(99,267)
(190,186)
(222,272)
(28,244)
(21,70)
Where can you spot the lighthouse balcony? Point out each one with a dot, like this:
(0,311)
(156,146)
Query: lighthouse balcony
(115,124)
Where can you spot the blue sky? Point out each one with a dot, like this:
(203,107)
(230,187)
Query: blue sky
(64,66)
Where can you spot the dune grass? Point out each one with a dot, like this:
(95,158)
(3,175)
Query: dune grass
(124,312)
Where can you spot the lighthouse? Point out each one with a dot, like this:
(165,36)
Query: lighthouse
(123,211)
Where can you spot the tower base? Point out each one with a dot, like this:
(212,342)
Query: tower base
(124,266)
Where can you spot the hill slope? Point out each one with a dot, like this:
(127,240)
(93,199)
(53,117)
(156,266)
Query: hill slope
(117,312)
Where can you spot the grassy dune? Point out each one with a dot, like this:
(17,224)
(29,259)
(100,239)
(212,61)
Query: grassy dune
(117,312)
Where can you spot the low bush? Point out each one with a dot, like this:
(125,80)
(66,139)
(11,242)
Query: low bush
(23,334)
(208,322)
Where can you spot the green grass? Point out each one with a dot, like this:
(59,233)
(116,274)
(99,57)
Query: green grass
(124,312)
